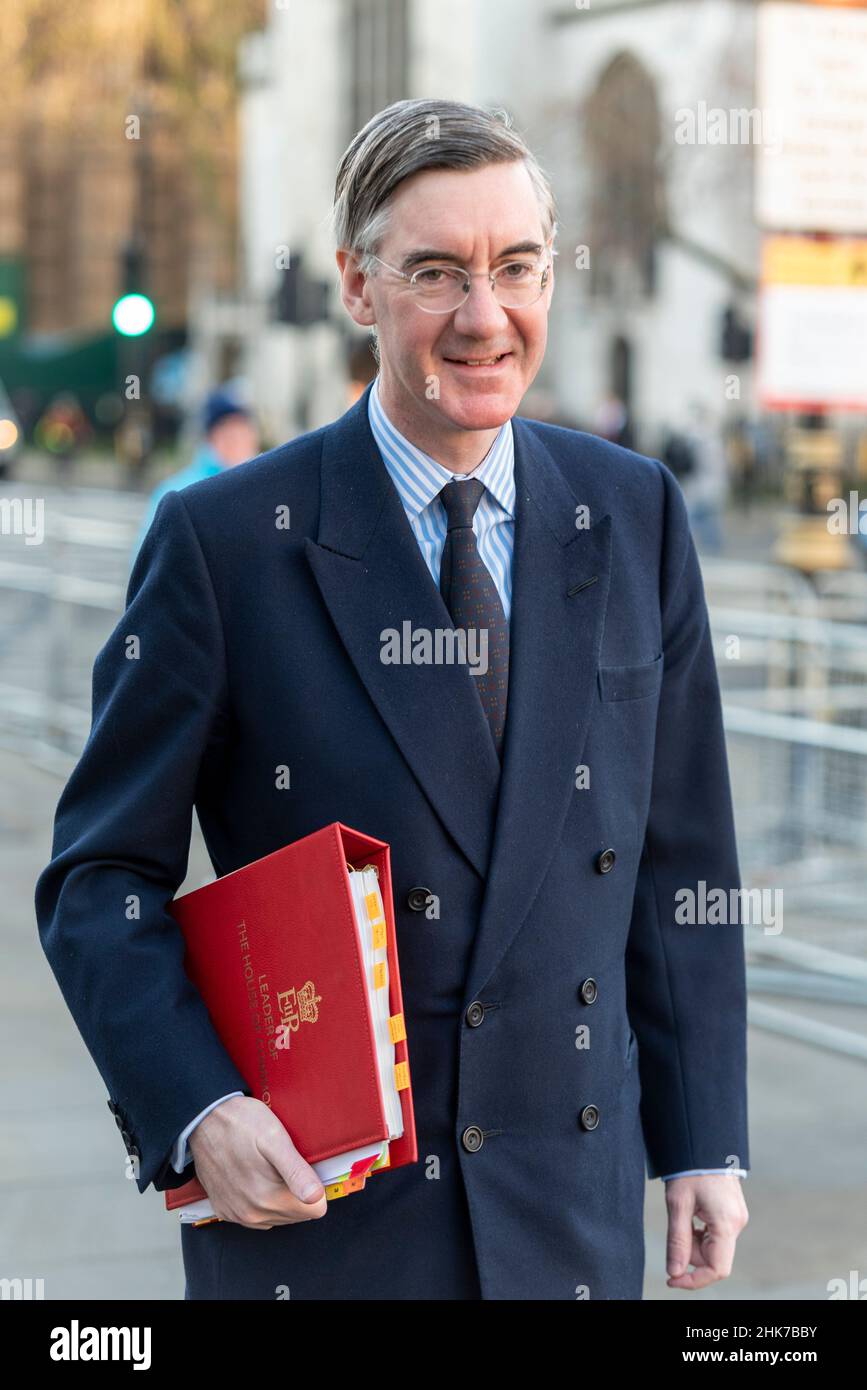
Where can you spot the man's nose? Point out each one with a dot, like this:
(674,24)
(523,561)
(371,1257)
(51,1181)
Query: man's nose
(480,316)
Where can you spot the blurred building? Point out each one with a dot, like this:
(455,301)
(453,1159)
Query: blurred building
(671,246)
(69,201)
(118,132)
(668,226)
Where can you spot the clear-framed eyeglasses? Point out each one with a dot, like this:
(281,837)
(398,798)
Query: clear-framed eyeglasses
(440,289)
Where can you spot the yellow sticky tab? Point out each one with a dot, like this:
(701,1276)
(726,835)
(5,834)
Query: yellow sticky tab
(379,975)
(401,1076)
(378,935)
(371,902)
(396,1028)
(343,1188)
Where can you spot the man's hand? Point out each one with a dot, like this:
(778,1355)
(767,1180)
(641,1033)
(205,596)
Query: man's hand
(249,1167)
(716,1199)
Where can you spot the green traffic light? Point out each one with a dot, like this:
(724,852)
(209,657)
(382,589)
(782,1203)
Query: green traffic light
(133,315)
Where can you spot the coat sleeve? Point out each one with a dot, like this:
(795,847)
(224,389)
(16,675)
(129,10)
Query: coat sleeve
(121,848)
(686,990)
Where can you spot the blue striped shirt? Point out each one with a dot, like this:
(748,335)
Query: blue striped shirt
(419,479)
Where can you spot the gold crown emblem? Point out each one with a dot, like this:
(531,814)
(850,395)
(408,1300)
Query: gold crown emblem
(308,1002)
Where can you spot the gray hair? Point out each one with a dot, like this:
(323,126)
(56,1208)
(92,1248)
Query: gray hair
(406,138)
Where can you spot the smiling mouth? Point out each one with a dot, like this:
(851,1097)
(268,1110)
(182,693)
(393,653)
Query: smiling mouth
(479,361)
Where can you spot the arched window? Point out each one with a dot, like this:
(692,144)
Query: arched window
(626,204)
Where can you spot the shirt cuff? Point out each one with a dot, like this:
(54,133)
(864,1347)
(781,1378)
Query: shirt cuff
(180,1157)
(695,1172)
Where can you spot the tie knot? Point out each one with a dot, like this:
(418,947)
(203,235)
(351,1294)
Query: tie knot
(460,498)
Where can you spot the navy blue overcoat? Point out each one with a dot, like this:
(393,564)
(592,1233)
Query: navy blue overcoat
(611,1042)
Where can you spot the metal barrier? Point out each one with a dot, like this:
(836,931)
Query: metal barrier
(792,660)
(59,601)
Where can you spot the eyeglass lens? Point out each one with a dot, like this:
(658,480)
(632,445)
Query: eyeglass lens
(446,287)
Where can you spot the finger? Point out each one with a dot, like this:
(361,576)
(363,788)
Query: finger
(695,1256)
(291,1168)
(263,1201)
(679,1242)
(284,1209)
(696,1260)
(712,1258)
(276,1204)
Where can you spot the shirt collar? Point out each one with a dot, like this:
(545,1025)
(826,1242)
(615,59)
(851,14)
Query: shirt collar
(419,478)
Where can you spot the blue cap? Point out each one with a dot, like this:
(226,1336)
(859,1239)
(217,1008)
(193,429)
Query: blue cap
(218,405)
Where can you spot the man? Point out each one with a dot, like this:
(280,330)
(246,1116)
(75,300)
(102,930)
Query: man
(705,490)
(544,805)
(229,438)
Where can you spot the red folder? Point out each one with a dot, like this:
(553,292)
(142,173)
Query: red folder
(273,949)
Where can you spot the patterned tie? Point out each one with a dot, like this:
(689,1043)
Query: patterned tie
(471,597)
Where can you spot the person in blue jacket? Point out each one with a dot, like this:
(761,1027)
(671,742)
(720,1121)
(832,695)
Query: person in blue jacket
(230,436)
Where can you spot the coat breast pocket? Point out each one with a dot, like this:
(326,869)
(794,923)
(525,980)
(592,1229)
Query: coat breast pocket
(630,682)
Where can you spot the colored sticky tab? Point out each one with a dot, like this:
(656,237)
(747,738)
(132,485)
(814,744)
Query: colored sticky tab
(379,975)
(401,1075)
(384,1162)
(334,1190)
(379,934)
(396,1028)
(371,902)
(361,1166)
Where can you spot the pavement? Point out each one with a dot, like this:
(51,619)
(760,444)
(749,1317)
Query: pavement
(69,1216)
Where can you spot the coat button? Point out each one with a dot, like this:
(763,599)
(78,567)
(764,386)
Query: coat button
(588,991)
(605,861)
(472,1139)
(417,898)
(589,1117)
(475,1013)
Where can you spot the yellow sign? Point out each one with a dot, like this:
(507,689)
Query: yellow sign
(812,333)
(801,260)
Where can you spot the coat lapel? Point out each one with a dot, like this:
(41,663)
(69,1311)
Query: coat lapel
(372,577)
(560,580)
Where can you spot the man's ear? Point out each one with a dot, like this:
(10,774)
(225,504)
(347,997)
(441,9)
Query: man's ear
(353,289)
